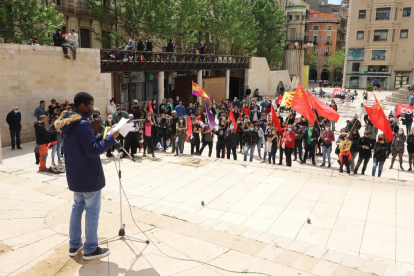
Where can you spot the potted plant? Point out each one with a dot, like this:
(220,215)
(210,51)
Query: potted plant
(370,87)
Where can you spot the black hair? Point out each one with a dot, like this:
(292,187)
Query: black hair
(82,98)
(59,29)
(53,100)
(42,101)
(35,38)
(72,30)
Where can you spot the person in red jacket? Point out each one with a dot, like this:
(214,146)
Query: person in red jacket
(288,139)
(327,137)
(246,110)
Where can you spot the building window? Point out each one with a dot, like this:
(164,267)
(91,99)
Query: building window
(303,18)
(314,49)
(329,27)
(315,28)
(362,14)
(328,40)
(383,14)
(380,35)
(406,12)
(290,18)
(322,38)
(328,50)
(360,35)
(297,17)
(315,39)
(404,34)
(355,66)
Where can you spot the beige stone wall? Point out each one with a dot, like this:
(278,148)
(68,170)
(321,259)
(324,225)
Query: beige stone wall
(28,76)
(260,76)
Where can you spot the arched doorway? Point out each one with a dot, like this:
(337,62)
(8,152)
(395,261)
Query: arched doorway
(325,74)
(313,74)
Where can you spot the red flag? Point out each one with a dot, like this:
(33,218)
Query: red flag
(301,104)
(324,110)
(279,99)
(232,120)
(275,119)
(150,110)
(378,119)
(189,128)
(404,109)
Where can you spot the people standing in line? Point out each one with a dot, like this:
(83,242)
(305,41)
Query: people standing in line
(221,143)
(40,110)
(250,138)
(288,139)
(148,136)
(364,149)
(327,137)
(345,153)
(310,137)
(397,147)
(207,140)
(354,138)
(14,119)
(410,148)
(272,145)
(232,142)
(298,129)
(42,139)
(181,135)
(380,154)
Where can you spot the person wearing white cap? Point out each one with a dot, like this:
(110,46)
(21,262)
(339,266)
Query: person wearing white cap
(14,119)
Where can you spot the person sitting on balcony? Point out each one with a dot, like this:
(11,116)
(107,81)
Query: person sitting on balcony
(72,42)
(140,45)
(33,42)
(149,45)
(59,40)
(170,48)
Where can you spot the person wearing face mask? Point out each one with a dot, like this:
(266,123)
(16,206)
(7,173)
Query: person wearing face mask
(267,133)
(327,138)
(42,139)
(410,148)
(195,145)
(354,124)
(232,142)
(310,138)
(373,132)
(250,138)
(236,113)
(260,132)
(148,135)
(298,129)
(221,143)
(14,119)
(272,144)
(303,122)
(173,129)
(345,153)
(397,147)
(246,110)
(289,140)
(207,139)
(163,132)
(394,129)
(180,136)
(354,138)
(240,132)
(364,148)
(281,133)
(380,154)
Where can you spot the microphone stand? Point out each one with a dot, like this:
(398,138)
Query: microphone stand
(121,232)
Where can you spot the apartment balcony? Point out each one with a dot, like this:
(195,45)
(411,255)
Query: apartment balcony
(328,43)
(64,5)
(300,37)
(83,8)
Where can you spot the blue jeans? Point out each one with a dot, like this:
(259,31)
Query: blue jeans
(374,167)
(333,125)
(246,150)
(91,203)
(272,154)
(326,151)
(259,144)
(265,151)
(57,148)
(408,126)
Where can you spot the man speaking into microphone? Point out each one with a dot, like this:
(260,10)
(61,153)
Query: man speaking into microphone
(84,174)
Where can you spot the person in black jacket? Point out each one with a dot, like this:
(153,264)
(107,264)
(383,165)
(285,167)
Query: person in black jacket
(173,129)
(149,45)
(14,119)
(42,139)
(380,154)
(410,148)
(310,138)
(232,142)
(364,148)
(59,41)
(354,138)
(140,45)
(221,132)
(250,138)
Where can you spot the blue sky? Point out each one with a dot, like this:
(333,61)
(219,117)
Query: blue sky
(335,2)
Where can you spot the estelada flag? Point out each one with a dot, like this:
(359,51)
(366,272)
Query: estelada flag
(197,91)
(275,119)
(378,119)
(301,104)
(150,110)
(404,109)
(232,121)
(189,128)
(287,99)
(323,109)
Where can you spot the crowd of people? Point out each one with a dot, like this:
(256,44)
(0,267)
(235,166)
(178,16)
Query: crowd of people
(252,133)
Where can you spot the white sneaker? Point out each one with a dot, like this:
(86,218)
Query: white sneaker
(53,164)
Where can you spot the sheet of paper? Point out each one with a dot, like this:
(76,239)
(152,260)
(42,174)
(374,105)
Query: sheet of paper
(125,129)
(120,124)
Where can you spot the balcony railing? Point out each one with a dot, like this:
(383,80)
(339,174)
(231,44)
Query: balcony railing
(126,61)
(328,43)
(83,8)
(297,37)
(64,5)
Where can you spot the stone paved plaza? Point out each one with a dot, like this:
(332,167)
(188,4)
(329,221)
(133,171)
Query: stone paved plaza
(254,218)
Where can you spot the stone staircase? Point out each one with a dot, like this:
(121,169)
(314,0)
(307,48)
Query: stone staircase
(401,96)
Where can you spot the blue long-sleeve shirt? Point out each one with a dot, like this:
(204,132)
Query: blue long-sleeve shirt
(180,110)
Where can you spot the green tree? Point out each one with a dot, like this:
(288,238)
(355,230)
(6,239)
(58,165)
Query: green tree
(311,59)
(232,27)
(21,20)
(271,42)
(335,62)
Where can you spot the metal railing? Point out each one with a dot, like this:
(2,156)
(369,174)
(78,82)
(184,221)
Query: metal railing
(126,61)
(83,8)
(297,37)
(64,5)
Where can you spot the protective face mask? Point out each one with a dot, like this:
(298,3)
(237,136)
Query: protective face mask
(223,118)
(328,128)
(256,128)
(231,127)
(181,121)
(251,128)
(311,128)
(16,111)
(273,132)
(109,120)
(400,132)
(289,129)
